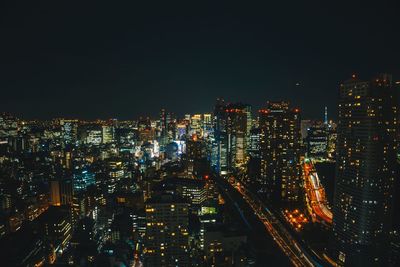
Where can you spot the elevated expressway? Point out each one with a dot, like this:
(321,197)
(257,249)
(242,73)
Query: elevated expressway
(294,250)
(315,194)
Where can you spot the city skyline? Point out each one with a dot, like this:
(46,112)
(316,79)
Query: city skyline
(234,186)
(160,134)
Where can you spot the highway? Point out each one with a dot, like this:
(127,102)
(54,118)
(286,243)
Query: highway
(292,249)
(261,242)
(315,194)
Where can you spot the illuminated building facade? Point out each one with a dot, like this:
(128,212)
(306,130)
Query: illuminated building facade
(254,143)
(231,135)
(196,125)
(365,170)
(56,226)
(196,157)
(207,125)
(55,198)
(82,179)
(332,140)
(194,191)
(181,131)
(69,130)
(219,146)
(61,192)
(167,236)
(254,162)
(237,134)
(167,128)
(195,148)
(280,151)
(107,134)
(317,141)
(94,136)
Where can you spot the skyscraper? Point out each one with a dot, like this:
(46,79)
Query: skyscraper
(253,165)
(231,133)
(237,133)
(82,178)
(167,236)
(165,128)
(317,141)
(207,125)
(196,125)
(280,151)
(365,170)
(196,157)
(219,146)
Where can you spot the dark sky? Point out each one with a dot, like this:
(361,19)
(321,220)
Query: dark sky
(108,59)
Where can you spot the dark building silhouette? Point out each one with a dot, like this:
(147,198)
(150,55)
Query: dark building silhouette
(365,170)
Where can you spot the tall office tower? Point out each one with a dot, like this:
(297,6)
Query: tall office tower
(231,135)
(167,236)
(317,141)
(332,140)
(165,119)
(196,157)
(196,125)
(207,125)
(107,134)
(365,170)
(195,148)
(69,131)
(253,166)
(249,124)
(219,146)
(237,133)
(280,151)
(254,145)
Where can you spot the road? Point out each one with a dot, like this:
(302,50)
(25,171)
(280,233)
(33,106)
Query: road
(266,251)
(316,199)
(292,249)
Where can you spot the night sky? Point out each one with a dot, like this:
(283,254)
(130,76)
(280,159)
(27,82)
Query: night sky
(101,60)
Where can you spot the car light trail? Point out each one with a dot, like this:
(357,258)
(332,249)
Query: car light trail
(315,194)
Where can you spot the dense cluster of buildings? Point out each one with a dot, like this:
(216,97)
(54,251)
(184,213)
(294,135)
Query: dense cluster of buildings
(117,192)
(139,192)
